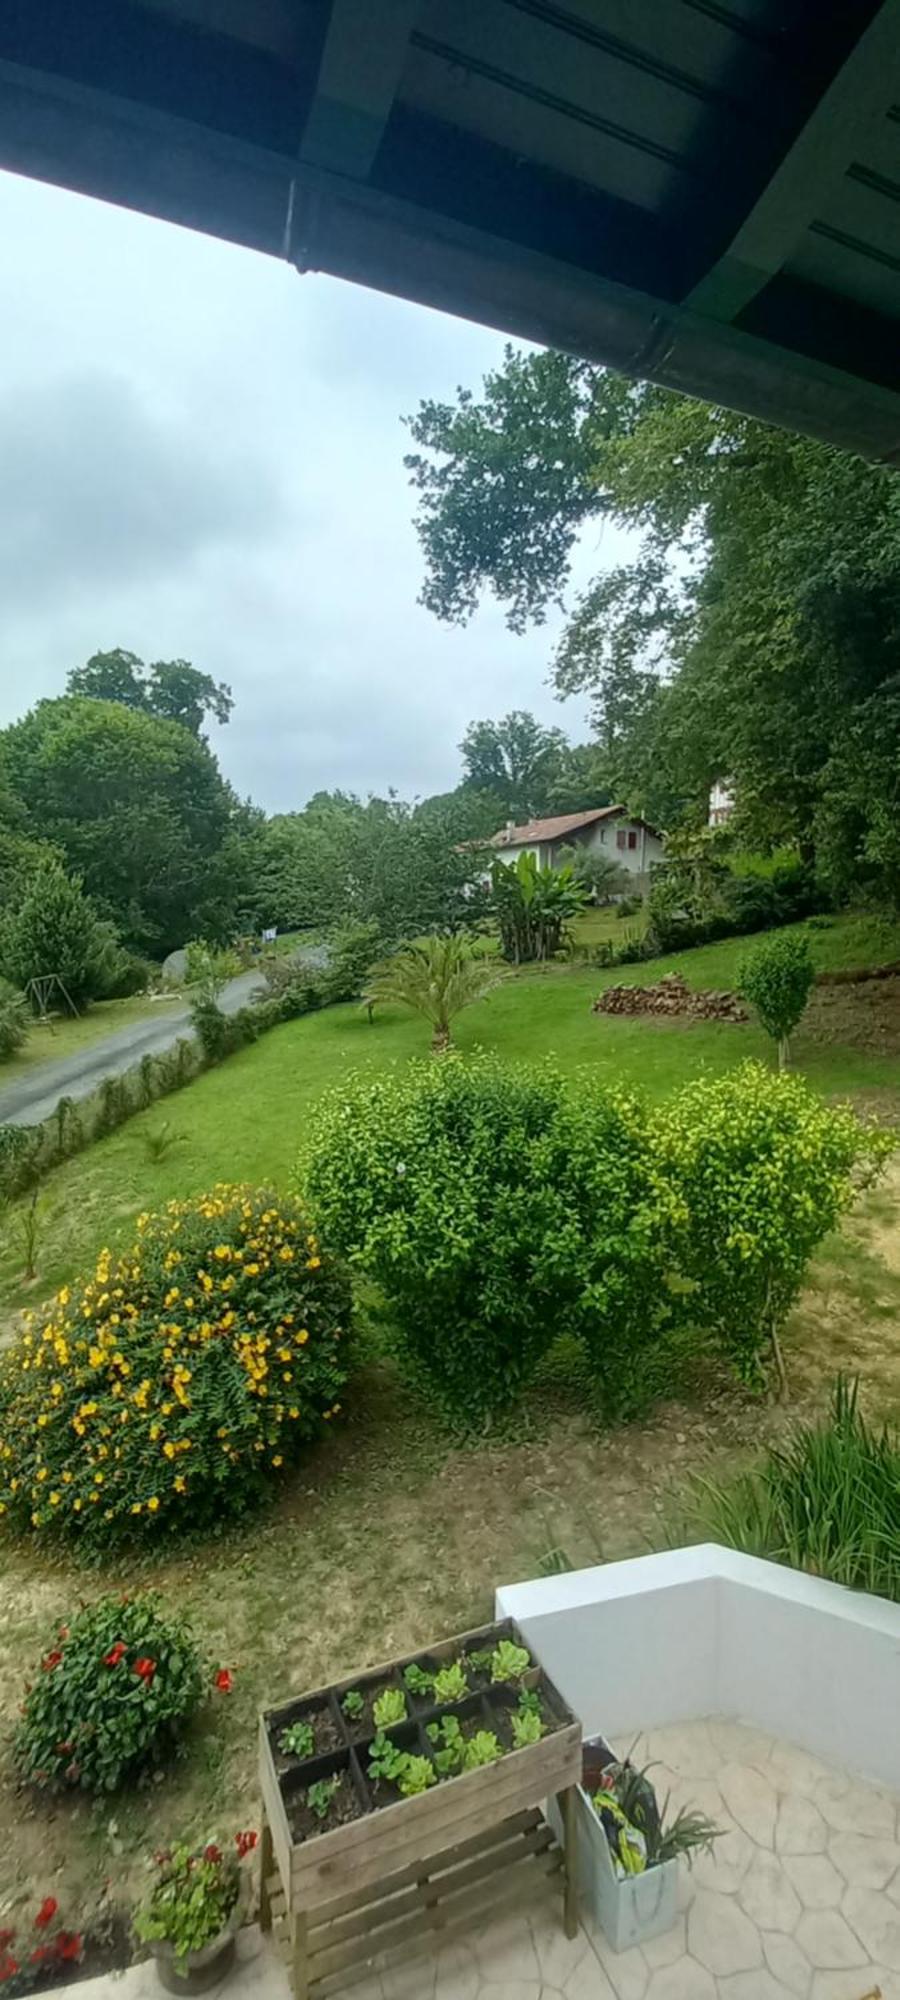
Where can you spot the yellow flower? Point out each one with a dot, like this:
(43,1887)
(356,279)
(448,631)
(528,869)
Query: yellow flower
(312,1263)
(180,1483)
(278,1460)
(153,1505)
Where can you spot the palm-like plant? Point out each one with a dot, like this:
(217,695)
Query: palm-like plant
(436,978)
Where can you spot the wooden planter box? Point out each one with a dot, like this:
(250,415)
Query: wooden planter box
(405,1872)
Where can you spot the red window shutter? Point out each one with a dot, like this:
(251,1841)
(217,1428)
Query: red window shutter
(632,838)
(620,837)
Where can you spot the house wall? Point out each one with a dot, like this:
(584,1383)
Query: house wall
(603,838)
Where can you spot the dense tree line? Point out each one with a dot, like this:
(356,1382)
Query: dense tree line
(755,635)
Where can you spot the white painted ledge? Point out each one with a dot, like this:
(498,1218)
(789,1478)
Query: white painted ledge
(706,1631)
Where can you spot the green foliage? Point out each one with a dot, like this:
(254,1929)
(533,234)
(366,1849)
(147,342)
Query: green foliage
(515,762)
(208,969)
(450,1683)
(777,979)
(340,863)
(192,1899)
(320,1794)
(139,809)
(353,1704)
(55,929)
(436,979)
(417,1679)
(700,896)
(352,952)
(297,1741)
(111,1698)
(411,1774)
(534,906)
(13,1020)
(389,1708)
(219,1334)
(628,1803)
(758,1170)
(454,1752)
(509,1661)
(495,1211)
(827,1500)
(527,1727)
(172,690)
(765,588)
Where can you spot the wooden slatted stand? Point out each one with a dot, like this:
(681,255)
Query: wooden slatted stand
(407,1876)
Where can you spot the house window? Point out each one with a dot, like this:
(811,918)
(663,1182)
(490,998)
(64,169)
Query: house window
(632,838)
(620,837)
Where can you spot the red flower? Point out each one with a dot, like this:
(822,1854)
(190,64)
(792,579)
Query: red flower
(245,1843)
(8,1966)
(40,1955)
(224,1680)
(212,1852)
(69,1946)
(46,1913)
(115,1654)
(144,1668)
(52,1660)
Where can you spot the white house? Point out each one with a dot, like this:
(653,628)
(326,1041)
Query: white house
(721,803)
(607,830)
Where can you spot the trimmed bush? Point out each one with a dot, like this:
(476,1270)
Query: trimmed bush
(777,979)
(172,1388)
(758,1170)
(56,929)
(112,1693)
(496,1209)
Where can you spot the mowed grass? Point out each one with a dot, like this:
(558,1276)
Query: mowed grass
(67,1033)
(390,1534)
(246,1119)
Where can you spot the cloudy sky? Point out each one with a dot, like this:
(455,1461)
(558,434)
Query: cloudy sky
(202,457)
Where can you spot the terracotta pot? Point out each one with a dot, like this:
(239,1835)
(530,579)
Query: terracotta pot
(199,1970)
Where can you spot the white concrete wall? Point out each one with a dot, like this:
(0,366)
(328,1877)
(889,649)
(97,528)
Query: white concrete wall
(706,1631)
(602,838)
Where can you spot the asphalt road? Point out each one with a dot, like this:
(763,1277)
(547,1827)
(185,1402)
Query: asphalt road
(35,1095)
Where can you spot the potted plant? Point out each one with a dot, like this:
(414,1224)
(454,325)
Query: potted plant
(629,1847)
(191,1916)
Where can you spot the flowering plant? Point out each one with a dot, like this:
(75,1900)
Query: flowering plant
(194,1894)
(111,1694)
(171,1387)
(31,1959)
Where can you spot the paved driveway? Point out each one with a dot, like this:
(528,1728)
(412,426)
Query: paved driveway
(34,1096)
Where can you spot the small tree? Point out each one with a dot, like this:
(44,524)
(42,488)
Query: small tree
(776,978)
(601,875)
(437,979)
(56,929)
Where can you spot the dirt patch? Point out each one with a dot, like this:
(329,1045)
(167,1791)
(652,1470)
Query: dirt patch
(671,995)
(856,1015)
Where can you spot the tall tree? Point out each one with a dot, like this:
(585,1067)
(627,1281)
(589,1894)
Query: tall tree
(761,613)
(173,690)
(515,761)
(138,807)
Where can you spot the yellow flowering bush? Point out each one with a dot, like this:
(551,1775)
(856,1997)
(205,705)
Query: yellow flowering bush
(176,1384)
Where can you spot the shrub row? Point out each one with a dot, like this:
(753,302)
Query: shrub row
(694,903)
(171,1387)
(498,1208)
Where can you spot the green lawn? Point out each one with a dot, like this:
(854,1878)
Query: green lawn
(245,1120)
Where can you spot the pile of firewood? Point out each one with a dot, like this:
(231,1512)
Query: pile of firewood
(671,996)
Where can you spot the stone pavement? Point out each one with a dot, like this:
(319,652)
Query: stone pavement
(800,1901)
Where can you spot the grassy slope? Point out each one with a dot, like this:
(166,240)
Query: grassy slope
(244,1121)
(390,1535)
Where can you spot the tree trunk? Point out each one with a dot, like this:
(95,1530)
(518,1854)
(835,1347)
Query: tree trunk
(784,1052)
(440,1040)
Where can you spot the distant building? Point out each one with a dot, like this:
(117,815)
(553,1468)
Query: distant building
(721,803)
(609,830)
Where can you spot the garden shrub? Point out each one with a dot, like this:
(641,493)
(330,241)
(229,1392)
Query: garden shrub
(496,1209)
(13,1019)
(56,929)
(758,1170)
(112,1693)
(777,979)
(352,952)
(170,1388)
